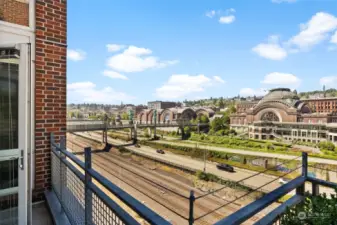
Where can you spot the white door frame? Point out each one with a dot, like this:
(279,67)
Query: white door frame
(23,134)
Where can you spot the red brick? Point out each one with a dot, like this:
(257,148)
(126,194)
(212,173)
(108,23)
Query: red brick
(50,71)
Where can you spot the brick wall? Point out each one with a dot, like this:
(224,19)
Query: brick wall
(14,11)
(50,91)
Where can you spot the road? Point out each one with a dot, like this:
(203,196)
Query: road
(240,174)
(246,152)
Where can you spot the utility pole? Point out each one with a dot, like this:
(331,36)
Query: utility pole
(155,123)
(205,160)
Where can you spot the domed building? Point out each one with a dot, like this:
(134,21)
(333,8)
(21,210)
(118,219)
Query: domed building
(281,114)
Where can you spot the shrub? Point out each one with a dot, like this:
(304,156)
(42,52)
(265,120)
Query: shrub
(326,145)
(269,146)
(321,205)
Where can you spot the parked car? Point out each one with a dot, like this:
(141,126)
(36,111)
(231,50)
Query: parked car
(225,167)
(160,151)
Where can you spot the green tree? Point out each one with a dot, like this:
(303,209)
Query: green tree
(187,132)
(232,109)
(214,101)
(203,119)
(220,123)
(221,103)
(326,145)
(125,116)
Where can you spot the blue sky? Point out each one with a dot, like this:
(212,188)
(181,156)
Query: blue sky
(140,50)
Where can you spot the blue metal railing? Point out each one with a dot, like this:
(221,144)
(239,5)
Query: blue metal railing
(90,192)
(272,217)
(68,164)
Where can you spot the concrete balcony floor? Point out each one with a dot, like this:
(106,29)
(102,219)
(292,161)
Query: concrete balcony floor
(40,214)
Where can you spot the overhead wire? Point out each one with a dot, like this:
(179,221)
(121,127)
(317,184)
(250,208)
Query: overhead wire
(246,178)
(248,193)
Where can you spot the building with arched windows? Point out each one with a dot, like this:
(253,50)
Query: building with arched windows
(282,115)
(172,114)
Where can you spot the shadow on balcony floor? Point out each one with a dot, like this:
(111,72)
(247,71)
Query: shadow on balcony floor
(41,215)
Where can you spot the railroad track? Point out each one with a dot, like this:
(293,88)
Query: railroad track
(176,186)
(158,185)
(200,209)
(175,204)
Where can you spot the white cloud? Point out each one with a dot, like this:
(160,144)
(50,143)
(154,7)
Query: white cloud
(133,50)
(76,55)
(80,85)
(114,75)
(114,47)
(181,85)
(227,19)
(245,92)
(281,1)
(231,10)
(330,81)
(210,13)
(270,51)
(87,92)
(135,59)
(334,38)
(316,30)
(218,79)
(281,79)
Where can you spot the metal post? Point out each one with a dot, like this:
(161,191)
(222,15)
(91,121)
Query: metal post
(205,160)
(304,164)
(88,193)
(155,130)
(301,189)
(63,171)
(182,133)
(106,136)
(191,213)
(135,133)
(315,189)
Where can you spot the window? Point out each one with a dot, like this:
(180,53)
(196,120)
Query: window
(270,116)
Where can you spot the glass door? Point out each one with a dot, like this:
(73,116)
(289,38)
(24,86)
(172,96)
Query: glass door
(13,135)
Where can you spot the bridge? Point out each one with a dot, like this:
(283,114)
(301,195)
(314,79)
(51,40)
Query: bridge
(100,125)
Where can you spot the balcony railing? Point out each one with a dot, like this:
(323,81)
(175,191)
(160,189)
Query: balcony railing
(274,216)
(76,186)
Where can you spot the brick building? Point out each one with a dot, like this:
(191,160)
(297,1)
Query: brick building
(242,107)
(322,105)
(33,45)
(173,114)
(282,115)
(161,105)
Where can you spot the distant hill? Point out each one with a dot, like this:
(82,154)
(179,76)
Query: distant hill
(332,92)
